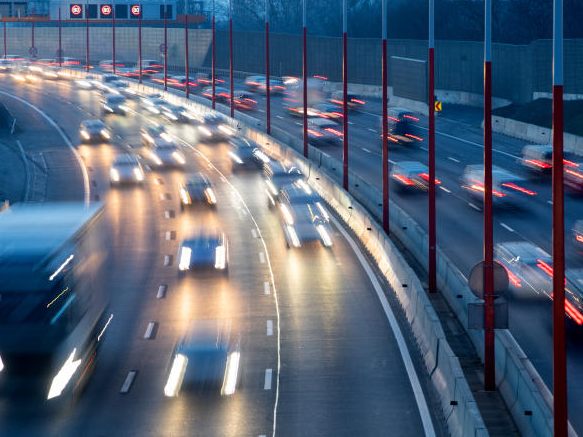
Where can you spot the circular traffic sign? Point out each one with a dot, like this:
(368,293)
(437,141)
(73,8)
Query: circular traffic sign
(76,10)
(106,10)
(476,279)
(33,51)
(136,10)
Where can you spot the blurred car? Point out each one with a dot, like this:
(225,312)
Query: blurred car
(323,132)
(151,133)
(130,72)
(205,250)
(294,110)
(507,188)
(94,131)
(300,193)
(21,74)
(222,95)
(5,65)
(122,87)
(244,101)
(326,110)
(246,153)
(411,176)
(573,176)
(258,83)
(574,295)
(538,158)
(206,358)
(89,82)
(303,222)
(153,103)
(197,189)
(403,127)
(126,169)
(528,266)
(106,80)
(115,104)
(107,65)
(205,79)
(174,113)
(277,176)
(50,73)
(179,82)
(354,102)
(150,66)
(215,127)
(166,154)
(68,62)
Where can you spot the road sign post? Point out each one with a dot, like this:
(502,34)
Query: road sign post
(432,271)
(60,50)
(86,39)
(140,71)
(345,93)
(186,55)
(32,40)
(305,76)
(4,39)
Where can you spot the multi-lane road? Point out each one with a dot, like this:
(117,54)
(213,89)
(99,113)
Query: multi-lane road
(318,355)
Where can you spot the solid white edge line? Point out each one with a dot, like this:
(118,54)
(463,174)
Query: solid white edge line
(407,361)
(267,383)
(53,123)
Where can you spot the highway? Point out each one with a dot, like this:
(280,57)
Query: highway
(459,223)
(318,356)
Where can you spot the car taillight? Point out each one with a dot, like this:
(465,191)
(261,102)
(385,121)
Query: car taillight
(414,137)
(315,133)
(358,101)
(518,188)
(479,187)
(425,177)
(395,119)
(403,179)
(334,131)
(410,117)
(575,173)
(579,238)
(539,164)
(514,280)
(545,267)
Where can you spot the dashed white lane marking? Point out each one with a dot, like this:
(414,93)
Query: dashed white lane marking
(474,206)
(445,189)
(261,110)
(167,260)
(550,202)
(161,292)
(391,161)
(405,355)
(254,233)
(149,330)
(261,257)
(168,235)
(351,123)
(370,129)
(270,327)
(451,158)
(127,384)
(505,226)
(266,288)
(279,116)
(364,149)
(268,376)
(167,214)
(424,149)
(299,124)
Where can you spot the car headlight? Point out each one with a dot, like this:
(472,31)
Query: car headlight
(261,156)
(185,255)
(210,196)
(176,375)
(171,116)
(324,235)
(105,134)
(64,375)
(178,158)
(138,174)
(206,131)
(293,236)
(185,197)
(124,108)
(166,136)
(107,108)
(271,187)
(188,115)
(220,257)
(155,158)
(235,157)
(1,364)
(85,135)
(114,175)
(226,129)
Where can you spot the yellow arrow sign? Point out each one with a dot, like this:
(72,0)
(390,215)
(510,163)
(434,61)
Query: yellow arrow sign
(438,106)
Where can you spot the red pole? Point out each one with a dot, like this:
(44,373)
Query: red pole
(186,66)
(165,48)
(385,128)
(232,100)
(213,59)
(32,39)
(113,38)
(489,359)
(305,77)
(431,103)
(4,39)
(60,53)
(559,345)
(140,71)
(86,39)
(345,97)
(267,85)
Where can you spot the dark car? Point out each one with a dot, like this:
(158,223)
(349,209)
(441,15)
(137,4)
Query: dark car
(166,154)
(529,267)
(115,104)
(354,102)
(94,131)
(246,153)
(323,132)
(411,176)
(126,169)
(277,176)
(206,250)
(403,127)
(215,127)
(197,189)
(222,95)
(206,358)
(151,133)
